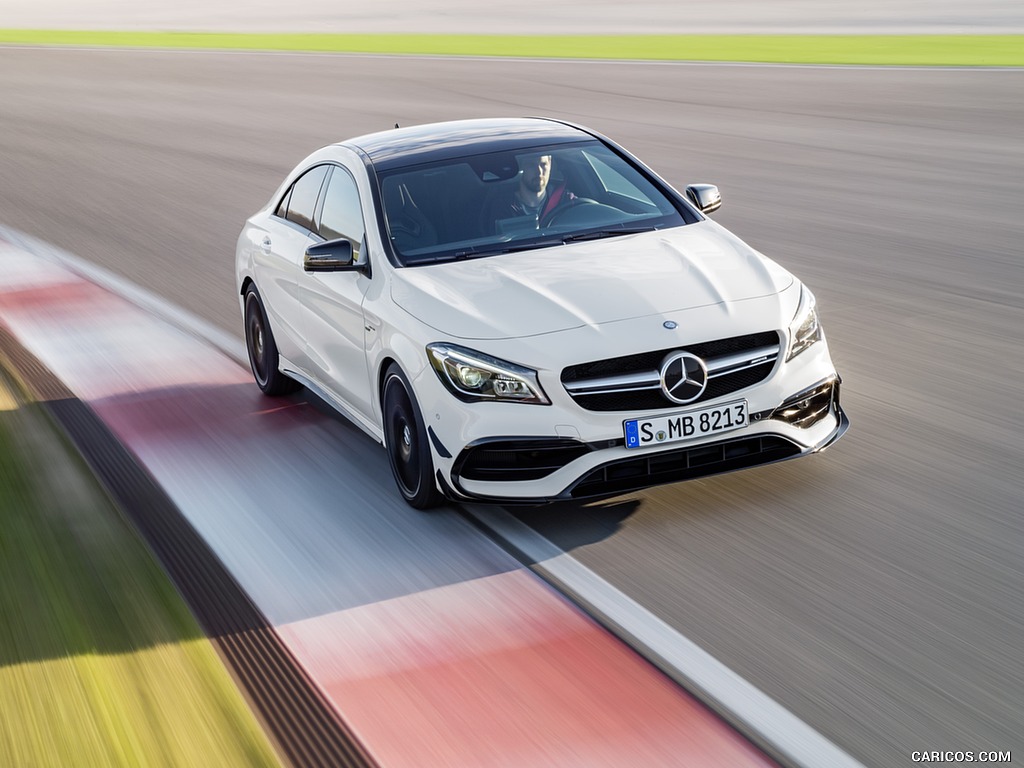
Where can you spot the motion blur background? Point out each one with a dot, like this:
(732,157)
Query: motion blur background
(528,17)
(876,591)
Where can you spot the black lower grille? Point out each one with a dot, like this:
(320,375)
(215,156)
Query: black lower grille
(633,474)
(517,460)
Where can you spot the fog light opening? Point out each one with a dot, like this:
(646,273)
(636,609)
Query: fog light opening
(807,408)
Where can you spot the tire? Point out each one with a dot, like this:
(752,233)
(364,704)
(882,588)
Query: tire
(259,343)
(405,439)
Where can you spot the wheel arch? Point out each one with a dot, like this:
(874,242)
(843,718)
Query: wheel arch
(382,370)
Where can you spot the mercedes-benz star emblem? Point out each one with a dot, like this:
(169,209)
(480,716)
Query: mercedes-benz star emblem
(683,377)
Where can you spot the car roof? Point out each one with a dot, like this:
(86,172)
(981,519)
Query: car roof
(404,147)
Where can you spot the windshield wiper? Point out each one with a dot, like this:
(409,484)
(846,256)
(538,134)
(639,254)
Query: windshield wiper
(472,253)
(600,233)
(506,248)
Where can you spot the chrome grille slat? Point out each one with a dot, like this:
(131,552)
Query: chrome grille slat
(648,388)
(642,380)
(719,365)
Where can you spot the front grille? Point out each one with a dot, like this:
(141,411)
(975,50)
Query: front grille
(594,386)
(633,474)
(517,460)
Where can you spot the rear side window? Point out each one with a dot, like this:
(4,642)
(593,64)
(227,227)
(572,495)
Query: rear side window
(300,200)
(282,209)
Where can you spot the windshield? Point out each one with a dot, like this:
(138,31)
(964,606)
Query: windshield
(495,203)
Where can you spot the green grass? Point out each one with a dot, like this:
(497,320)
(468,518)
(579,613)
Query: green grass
(101,663)
(905,50)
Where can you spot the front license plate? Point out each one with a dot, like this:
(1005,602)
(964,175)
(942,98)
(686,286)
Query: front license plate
(689,425)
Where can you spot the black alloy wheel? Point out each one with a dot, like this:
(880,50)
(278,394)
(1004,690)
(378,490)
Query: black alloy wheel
(259,343)
(405,438)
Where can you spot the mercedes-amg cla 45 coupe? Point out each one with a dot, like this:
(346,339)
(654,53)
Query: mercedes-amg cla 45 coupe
(521,311)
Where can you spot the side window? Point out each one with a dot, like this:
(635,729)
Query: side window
(342,216)
(302,197)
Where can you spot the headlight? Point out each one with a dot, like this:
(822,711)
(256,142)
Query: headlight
(805,329)
(473,376)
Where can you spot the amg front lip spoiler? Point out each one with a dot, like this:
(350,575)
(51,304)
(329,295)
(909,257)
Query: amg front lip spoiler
(635,473)
(840,430)
(780,449)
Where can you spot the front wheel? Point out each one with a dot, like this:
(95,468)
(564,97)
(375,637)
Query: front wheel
(405,438)
(259,343)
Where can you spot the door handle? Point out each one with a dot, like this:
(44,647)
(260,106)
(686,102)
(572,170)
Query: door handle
(265,245)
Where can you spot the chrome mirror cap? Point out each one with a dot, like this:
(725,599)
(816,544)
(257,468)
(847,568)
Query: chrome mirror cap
(706,197)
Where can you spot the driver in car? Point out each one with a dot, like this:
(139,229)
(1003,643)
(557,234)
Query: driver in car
(532,199)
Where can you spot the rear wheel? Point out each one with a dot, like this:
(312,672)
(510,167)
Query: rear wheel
(405,438)
(259,343)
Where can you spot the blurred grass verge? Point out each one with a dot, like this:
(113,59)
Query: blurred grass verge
(898,50)
(101,663)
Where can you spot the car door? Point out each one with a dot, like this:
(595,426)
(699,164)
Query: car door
(279,247)
(333,301)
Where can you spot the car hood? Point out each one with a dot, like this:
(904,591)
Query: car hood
(590,283)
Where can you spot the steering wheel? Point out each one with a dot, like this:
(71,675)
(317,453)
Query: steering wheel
(582,211)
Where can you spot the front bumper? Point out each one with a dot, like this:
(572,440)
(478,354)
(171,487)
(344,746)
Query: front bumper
(539,470)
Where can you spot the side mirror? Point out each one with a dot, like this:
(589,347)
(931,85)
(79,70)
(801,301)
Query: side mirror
(706,197)
(331,256)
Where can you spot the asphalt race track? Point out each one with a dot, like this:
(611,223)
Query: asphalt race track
(876,591)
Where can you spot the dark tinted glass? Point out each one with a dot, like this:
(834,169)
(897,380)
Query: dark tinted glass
(502,202)
(282,209)
(303,197)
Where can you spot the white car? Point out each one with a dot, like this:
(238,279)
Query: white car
(521,311)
